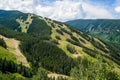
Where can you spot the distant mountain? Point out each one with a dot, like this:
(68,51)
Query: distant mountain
(105,29)
(55,49)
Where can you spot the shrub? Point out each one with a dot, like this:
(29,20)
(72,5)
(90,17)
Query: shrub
(75,43)
(82,40)
(71,49)
(64,30)
(59,31)
(74,38)
(55,41)
(53,25)
(58,37)
(2,43)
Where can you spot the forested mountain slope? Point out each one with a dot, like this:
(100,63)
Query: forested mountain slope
(105,29)
(52,47)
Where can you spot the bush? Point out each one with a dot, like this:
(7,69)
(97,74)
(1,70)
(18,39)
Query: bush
(82,40)
(71,49)
(75,43)
(64,30)
(53,25)
(59,31)
(55,41)
(90,52)
(58,37)
(74,38)
(2,43)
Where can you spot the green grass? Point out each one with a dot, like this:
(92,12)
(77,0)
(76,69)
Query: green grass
(18,75)
(6,54)
(25,24)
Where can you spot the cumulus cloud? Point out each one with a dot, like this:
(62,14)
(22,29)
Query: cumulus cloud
(61,10)
(94,12)
(117,9)
(66,10)
(25,6)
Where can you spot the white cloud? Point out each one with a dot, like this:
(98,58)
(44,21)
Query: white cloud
(25,6)
(94,12)
(43,11)
(66,10)
(61,10)
(117,9)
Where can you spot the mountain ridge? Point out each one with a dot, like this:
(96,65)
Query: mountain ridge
(105,29)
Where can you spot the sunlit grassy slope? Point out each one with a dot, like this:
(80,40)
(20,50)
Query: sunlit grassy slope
(6,54)
(86,42)
(13,51)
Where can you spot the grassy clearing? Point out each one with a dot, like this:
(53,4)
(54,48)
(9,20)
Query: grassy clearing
(6,54)
(24,25)
(13,48)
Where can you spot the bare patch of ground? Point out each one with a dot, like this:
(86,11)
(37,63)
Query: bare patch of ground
(56,76)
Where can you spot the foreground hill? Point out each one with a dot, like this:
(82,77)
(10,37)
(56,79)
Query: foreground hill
(105,29)
(54,49)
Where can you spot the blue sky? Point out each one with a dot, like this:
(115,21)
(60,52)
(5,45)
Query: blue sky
(64,10)
(108,2)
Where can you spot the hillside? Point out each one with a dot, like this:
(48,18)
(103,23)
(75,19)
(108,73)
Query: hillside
(105,29)
(11,58)
(6,54)
(54,49)
(13,47)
